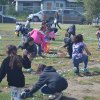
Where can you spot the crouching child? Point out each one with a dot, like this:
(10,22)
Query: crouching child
(50,82)
(30,50)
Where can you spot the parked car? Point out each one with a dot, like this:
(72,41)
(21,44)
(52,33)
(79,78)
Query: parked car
(0,12)
(43,15)
(70,16)
(7,19)
(96,21)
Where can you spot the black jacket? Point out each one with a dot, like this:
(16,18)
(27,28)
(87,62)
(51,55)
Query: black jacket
(15,76)
(71,30)
(52,79)
(29,48)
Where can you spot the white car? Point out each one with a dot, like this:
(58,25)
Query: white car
(43,15)
(37,16)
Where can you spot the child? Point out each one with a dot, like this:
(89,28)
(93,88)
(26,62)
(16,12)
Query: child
(46,25)
(78,56)
(50,33)
(38,39)
(50,82)
(30,50)
(17,30)
(27,24)
(56,20)
(98,36)
(21,29)
(12,67)
(71,30)
(68,43)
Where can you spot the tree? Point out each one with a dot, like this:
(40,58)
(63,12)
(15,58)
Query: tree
(92,8)
(79,0)
(3,2)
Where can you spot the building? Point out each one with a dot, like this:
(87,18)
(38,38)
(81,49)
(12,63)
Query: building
(36,5)
(27,5)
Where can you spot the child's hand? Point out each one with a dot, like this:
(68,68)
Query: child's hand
(89,53)
(62,47)
(26,94)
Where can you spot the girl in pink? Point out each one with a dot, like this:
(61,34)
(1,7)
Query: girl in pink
(38,37)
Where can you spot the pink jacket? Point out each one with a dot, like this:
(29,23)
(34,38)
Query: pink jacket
(37,36)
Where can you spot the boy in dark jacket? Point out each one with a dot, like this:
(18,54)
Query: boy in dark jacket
(68,44)
(71,30)
(50,82)
(29,49)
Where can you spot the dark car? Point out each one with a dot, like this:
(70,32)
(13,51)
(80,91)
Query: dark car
(7,19)
(70,16)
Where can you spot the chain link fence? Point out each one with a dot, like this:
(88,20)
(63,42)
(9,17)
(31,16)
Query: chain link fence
(11,9)
(19,13)
(22,12)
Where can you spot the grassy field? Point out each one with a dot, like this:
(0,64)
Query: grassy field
(80,88)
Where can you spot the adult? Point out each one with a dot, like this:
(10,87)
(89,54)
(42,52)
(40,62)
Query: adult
(56,20)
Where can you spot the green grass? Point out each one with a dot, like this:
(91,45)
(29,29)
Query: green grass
(91,98)
(8,37)
(5,96)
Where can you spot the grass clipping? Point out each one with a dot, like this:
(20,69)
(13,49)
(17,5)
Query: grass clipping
(61,52)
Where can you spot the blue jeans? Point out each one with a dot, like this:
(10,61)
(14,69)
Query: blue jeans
(24,39)
(83,59)
(39,49)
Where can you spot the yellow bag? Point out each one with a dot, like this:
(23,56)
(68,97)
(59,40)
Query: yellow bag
(16,33)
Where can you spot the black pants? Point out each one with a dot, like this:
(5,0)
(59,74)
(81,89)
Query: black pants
(55,30)
(57,25)
(69,49)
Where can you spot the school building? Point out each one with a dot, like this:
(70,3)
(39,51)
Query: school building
(21,5)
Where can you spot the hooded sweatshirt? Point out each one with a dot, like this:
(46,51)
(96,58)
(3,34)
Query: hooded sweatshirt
(52,79)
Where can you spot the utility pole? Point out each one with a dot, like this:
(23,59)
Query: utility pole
(54,5)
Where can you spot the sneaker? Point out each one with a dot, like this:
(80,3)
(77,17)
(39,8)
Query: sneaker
(29,70)
(98,48)
(25,95)
(27,90)
(51,97)
(76,71)
(58,96)
(85,70)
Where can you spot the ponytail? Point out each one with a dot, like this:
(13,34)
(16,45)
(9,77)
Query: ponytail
(14,58)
